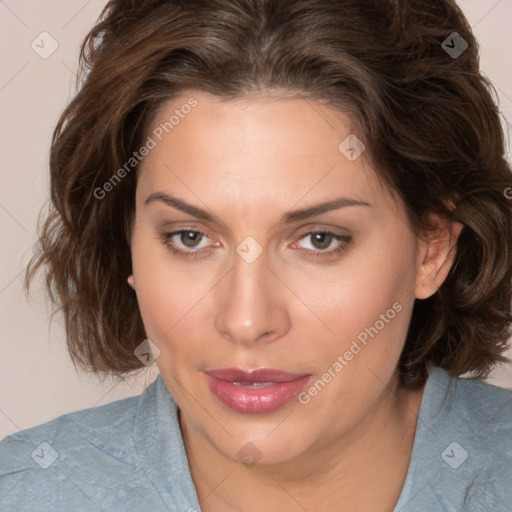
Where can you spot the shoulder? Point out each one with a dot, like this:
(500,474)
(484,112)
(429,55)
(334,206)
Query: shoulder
(470,406)
(103,425)
(463,454)
(482,413)
(61,464)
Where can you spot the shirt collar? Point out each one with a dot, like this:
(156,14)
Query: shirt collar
(160,447)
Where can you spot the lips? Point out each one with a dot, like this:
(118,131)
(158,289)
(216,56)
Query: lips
(259,391)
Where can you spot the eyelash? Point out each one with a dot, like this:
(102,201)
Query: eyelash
(344,243)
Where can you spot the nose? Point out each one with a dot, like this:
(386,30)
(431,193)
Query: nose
(251,308)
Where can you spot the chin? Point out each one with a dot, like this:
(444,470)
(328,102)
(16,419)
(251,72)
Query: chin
(272,445)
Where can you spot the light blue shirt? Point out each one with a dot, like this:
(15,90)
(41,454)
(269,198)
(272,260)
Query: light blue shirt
(129,455)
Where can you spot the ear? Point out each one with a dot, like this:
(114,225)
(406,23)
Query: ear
(437,248)
(131,281)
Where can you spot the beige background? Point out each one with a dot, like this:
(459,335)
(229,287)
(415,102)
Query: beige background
(37,379)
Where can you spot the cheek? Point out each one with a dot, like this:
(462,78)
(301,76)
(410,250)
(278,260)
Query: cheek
(167,293)
(358,291)
(170,312)
(348,302)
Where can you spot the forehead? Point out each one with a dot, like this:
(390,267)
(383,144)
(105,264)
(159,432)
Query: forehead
(255,152)
(263,123)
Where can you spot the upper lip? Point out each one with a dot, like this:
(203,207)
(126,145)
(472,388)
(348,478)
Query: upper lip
(254,376)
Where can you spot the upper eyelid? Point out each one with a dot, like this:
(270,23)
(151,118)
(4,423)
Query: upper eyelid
(169,226)
(314,227)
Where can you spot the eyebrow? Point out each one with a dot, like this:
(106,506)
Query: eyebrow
(287,218)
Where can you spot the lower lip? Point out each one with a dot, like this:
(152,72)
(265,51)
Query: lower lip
(255,400)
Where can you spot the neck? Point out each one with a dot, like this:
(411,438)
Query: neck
(359,469)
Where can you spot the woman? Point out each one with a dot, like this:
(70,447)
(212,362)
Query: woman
(300,211)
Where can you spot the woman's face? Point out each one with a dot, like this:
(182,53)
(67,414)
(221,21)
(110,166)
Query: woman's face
(248,270)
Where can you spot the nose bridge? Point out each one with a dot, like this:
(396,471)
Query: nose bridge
(250,309)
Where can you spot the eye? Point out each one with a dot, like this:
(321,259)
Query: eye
(187,243)
(324,244)
(179,241)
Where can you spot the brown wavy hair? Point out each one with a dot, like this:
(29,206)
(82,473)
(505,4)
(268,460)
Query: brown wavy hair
(429,120)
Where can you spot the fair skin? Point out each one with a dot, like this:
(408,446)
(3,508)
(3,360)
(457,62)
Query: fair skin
(247,163)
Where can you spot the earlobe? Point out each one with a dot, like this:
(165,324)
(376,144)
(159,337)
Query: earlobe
(436,254)
(131,281)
